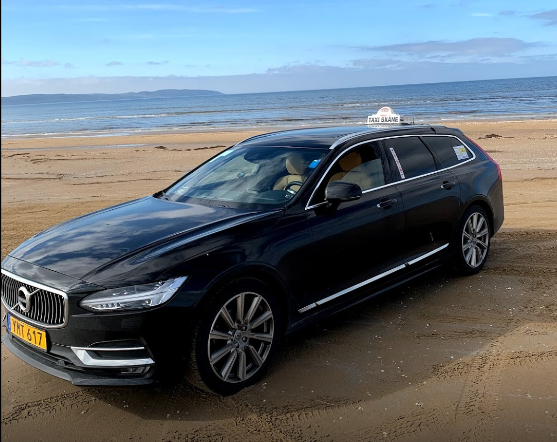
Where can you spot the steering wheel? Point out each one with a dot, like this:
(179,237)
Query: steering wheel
(289,186)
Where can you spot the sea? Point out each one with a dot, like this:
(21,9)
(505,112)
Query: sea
(508,99)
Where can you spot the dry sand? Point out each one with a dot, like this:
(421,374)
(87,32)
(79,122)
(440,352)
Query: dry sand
(443,358)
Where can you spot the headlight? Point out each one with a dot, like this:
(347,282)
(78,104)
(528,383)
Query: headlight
(133,297)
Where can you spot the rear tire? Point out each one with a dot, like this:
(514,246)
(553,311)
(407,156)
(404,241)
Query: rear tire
(235,338)
(472,241)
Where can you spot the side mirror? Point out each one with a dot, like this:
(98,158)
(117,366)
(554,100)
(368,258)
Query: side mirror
(340,191)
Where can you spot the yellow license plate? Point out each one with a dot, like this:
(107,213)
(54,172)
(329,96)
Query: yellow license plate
(29,334)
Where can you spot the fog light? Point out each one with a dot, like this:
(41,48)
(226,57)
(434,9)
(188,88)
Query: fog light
(135,370)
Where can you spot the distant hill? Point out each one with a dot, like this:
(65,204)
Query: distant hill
(65,98)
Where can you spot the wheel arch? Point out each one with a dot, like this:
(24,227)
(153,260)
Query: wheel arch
(264,273)
(478,200)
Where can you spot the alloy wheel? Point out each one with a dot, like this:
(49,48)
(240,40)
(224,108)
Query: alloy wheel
(475,239)
(240,337)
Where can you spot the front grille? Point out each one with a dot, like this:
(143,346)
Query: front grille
(48,306)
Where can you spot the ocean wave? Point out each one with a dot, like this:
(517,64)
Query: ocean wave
(427,102)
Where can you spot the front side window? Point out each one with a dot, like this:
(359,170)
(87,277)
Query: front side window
(361,165)
(410,156)
(248,177)
(449,150)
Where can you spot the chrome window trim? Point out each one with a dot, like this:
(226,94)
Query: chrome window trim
(42,287)
(313,206)
(370,280)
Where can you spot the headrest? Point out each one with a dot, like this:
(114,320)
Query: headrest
(295,164)
(353,159)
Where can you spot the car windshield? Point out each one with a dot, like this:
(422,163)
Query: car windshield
(248,177)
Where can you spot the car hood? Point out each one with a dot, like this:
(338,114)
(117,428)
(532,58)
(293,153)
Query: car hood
(79,246)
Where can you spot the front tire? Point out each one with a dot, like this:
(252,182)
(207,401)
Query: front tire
(472,241)
(235,338)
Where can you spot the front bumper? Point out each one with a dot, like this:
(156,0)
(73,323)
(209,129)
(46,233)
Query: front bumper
(65,369)
(119,348)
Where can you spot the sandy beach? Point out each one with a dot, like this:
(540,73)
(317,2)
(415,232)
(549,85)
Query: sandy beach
(443,358)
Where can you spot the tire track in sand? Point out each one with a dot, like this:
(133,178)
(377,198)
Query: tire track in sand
(480,392)
(50,405)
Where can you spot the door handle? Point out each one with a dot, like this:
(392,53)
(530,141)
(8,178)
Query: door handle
(448,185)
(385,203)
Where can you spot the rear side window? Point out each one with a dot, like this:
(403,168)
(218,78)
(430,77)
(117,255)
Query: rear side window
(449,150)
(410,156)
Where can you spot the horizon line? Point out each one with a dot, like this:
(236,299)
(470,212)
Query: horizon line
(272,92)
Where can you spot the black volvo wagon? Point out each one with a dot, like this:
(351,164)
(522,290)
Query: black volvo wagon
(267,236)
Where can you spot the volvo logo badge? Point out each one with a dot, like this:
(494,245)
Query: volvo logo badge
(24,299)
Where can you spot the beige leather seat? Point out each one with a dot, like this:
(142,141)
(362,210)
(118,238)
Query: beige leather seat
(347,163)
(367,175)
(295,167)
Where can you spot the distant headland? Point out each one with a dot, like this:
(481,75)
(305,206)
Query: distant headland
(72,98)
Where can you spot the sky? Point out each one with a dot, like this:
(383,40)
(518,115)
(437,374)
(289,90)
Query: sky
(114,46)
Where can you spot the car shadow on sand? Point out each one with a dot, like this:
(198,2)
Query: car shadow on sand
(393,341)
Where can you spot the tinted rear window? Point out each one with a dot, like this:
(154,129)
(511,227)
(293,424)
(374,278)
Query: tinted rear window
(450,150)
(411,157)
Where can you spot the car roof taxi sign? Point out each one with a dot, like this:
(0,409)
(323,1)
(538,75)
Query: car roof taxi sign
(384,115)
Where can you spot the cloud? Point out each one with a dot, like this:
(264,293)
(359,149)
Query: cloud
(157,63)
(537,58)
(114,63)
(548,16)
(299,68)
(507,13)
(35,63)
(492,46)
(294,77)
(375,63)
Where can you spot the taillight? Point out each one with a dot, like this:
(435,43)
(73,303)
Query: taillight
(488,156)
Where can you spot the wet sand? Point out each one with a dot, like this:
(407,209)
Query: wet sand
(443,358)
